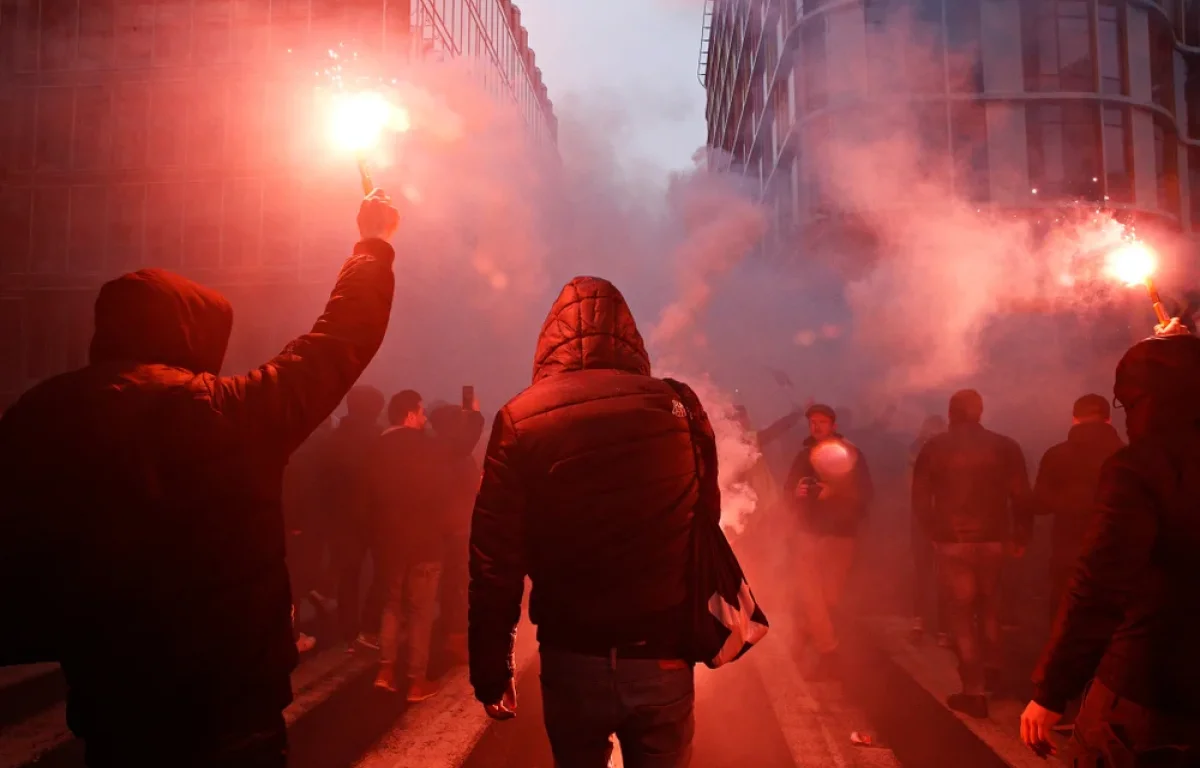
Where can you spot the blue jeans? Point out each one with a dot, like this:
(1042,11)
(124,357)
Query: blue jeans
(647,704)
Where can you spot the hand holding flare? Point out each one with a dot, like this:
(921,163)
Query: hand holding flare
(1134,263)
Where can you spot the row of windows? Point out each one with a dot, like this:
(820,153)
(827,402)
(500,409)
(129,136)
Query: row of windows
(52,35)
(135,125)
(103,230)
(1075,150)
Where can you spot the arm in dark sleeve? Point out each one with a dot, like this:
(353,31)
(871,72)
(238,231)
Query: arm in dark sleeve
(779,428)
(1116,552)
(287,398)
(801,468)
(1020,495)
(922,489)
(497,565)
(1046,485)
(865,486)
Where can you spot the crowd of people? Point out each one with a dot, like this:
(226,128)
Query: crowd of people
(163,524)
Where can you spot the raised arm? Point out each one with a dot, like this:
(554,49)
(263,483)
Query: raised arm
(497,564)
(284,400)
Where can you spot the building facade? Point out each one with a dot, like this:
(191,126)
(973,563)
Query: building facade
(1031,104)
(170,133)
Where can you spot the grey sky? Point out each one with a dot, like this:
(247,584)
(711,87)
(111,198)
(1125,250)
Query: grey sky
(634,60)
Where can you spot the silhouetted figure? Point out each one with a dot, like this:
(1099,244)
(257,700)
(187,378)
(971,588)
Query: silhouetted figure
(1130,621)
(928,612)
(459,431)
(1066,484)
(143,541)
(589,488)
(831,499)
(410,485)
(970,495)
(346,482)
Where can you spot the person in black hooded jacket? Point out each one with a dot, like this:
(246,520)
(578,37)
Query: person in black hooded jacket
(1130,621)
(1067,478)
(143,542)
(589,487)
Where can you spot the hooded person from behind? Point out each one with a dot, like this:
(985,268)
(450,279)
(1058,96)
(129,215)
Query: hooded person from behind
(589,487)
(1130,621)
(1066,483)
(140,498)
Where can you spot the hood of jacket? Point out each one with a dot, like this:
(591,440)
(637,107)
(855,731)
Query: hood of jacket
(1158,381)
(157,317)
(589,327)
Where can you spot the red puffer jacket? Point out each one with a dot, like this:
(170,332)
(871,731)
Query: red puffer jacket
(589,486)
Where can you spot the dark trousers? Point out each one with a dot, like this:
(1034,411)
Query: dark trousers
(261,743)
(354,545)
(969,574)
(926,594)
(1112,732)
(647,704)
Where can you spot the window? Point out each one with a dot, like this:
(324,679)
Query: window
(1057,46)
(18,115)
(168,121)
(1162,67)
(280,236)
(54,117)
(816,139)
(11,346)
(172,34)
(164,224)
(49,228)
(202,225)
(968,122)
(130,106)
(15,207)
(963,38)
(211,36)
(1166,168)
(930,124)
(885,56)
(1112,58)
(1194,186)
(57,38)
(1064,150)
(1117,166)
(250,31)
(244,148)
(93,116)
(133,32)
(126,219)
(243,222)
(812,53)
(96,33)
(1192,93)
(89,225)
(206,125)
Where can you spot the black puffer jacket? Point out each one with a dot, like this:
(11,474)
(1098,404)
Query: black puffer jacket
(589,486)
(1132,613)
(1066,484)
(966,481)
(143,542)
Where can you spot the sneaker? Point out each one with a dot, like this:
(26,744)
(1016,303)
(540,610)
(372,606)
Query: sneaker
(421,689)
(972,705)
(305,643)
(368,640)
(386,679)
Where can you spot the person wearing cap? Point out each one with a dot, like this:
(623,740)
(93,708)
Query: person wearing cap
(1067,478)
(831,488)
(970,495)
(1130,620)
